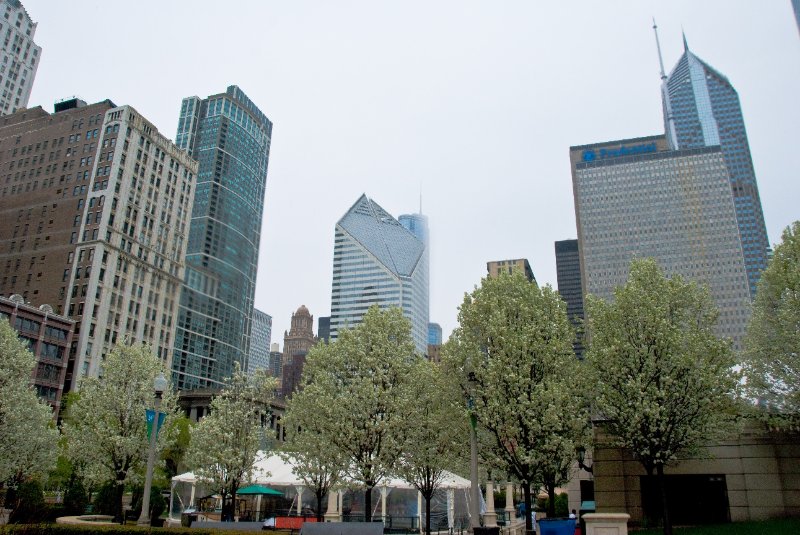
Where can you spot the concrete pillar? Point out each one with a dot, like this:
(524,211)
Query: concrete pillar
(451,507)
(299,500)
(171,498)
(509,503)
(384,492)
(606,523)
(490,517)
(420,514)
(332,514)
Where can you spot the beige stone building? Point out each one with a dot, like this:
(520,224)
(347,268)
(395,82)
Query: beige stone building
(753,475)
(495,267)
(19,56)
(95,207)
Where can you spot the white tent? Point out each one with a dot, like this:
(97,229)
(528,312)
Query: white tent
(273,470)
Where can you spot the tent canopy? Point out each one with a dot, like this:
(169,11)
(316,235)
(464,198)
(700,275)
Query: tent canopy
(259,489)
(275,471)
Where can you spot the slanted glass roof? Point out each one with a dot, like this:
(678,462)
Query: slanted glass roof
(383,236)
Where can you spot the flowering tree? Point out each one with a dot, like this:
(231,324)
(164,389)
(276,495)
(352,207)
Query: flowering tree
(319,466)
(358,386)
(224,444)
(772,346)
(436,431)
(28,438)
(512,352)
(105,426)
(664,382)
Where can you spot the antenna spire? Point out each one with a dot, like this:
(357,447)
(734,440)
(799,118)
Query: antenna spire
(685,44)
(658,47)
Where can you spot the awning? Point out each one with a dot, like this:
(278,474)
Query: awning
(259,489)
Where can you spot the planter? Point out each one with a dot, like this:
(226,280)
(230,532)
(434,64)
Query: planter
(556,526)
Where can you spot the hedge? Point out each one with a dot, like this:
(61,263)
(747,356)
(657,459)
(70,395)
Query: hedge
(72,529)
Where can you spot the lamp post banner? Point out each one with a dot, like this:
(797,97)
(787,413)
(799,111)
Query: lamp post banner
(151,415)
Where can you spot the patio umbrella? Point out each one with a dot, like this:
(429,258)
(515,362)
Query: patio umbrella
(260,490)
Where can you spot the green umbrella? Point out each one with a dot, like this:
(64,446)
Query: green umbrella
(259,489)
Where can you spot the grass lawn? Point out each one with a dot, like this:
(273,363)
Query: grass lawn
(785,526)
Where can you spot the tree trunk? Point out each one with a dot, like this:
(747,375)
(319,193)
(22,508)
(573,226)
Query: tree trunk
(120,517)
(427,496)
(526,489)
(368,504)
(551,499)
(664,505)
(320,494)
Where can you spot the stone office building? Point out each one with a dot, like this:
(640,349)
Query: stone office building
(95,207)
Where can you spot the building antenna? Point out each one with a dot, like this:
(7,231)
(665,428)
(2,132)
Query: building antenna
(658,47)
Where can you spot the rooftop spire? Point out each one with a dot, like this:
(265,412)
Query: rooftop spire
(685,44)
(658,47)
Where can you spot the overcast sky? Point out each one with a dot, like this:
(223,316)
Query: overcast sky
(472,104)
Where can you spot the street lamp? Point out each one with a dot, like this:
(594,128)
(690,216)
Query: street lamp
(581,457)
(475,491)
(159,386)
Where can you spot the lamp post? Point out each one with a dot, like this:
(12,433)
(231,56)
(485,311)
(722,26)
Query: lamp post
(581,457)
(475,490)
(159,386)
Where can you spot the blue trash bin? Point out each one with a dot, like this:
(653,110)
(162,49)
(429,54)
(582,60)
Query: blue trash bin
(556,526)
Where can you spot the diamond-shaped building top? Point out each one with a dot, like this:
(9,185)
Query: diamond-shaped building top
(377,261)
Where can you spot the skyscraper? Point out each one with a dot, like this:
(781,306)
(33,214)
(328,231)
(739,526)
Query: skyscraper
(434,334)
(20,56)
(568,273)
(261,334)
(377,261)
(701,109)
(230,138)
(324,328)
(634,198)
(417,224)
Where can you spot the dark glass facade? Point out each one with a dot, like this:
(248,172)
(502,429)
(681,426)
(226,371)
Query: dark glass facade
(230,138)
(568,273)
(701,109)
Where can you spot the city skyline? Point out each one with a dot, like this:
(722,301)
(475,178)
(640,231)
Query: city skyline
(477,111)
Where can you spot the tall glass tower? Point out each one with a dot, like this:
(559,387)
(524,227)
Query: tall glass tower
(376,261)
(230,137)
(701,109)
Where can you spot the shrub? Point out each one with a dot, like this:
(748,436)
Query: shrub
(27,503)
(75,498)
(105,501)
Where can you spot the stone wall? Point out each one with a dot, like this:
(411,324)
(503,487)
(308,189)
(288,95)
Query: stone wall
(761,470)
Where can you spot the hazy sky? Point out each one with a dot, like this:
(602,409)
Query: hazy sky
(473,104)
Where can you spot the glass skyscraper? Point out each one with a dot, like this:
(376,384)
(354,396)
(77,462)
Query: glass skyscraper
(434,334)
(260,340)
(377,261)
(701,109)
(570,288)
(230,137)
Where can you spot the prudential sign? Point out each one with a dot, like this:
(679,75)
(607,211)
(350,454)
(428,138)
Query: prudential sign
(591,155)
